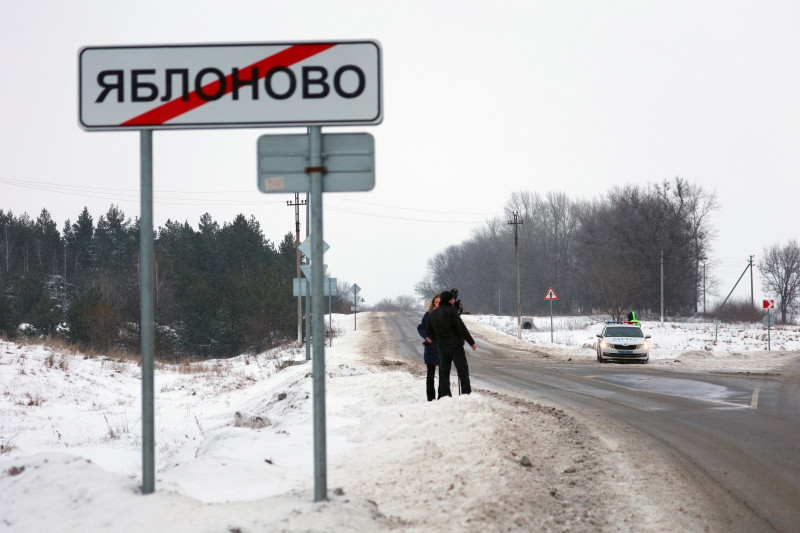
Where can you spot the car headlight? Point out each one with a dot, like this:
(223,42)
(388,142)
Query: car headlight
(645,345)
(604,343)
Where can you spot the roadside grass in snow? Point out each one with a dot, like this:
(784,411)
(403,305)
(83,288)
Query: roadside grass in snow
(54,396)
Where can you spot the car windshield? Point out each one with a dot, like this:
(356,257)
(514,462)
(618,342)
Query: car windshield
(615,331)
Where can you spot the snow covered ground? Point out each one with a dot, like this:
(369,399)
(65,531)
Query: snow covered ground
(682,345)
(234,443)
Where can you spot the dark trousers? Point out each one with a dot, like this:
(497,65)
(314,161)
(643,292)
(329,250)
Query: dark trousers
(456,355)
(429,382)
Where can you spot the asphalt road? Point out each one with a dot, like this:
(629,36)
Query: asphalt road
(737,435)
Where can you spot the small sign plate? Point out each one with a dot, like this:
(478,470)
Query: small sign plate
(305,247)
(301,287)
(348,160)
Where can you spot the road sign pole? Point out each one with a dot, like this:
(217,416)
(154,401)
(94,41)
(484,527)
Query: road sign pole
(308,286)
(769,327)
(317,322)
(551,295)
(147,310)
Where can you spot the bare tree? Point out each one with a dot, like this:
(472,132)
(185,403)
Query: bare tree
(690,204)
(425,289)
(618,281)
(406,302)
(780,271)
(401,303)
(701,204)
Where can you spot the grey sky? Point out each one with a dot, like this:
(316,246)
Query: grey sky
(481,99)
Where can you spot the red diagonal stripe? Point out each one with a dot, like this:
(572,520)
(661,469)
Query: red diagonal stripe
(177,107)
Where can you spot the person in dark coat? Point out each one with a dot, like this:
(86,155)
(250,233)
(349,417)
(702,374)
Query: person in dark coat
(448,331)
(431,350)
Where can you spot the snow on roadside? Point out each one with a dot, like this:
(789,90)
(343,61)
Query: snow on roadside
(694,345)
(234,448)
(235,445)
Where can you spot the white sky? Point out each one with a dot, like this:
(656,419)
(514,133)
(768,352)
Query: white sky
(481,99)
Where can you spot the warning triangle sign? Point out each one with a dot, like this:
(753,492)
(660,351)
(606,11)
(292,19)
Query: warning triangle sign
(551,295)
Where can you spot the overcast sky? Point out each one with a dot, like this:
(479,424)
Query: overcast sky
(480,99)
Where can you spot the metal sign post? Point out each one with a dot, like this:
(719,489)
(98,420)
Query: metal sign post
(330,290)
(147,312)
(308,280)
(355,289)
(551,295)
(768,322)
(315,171)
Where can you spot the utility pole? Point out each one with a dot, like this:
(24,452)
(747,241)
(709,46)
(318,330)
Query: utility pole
(297,203)
(752,303)
(516,222)
(750,266)
(662,286)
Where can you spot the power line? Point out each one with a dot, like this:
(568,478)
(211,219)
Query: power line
(132,195)
(409,208)
(407,219)
(103,193)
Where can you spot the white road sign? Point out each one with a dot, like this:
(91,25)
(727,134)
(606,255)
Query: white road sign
(300,287)
(348,160)
(230,85)
(306,270)
(305,247)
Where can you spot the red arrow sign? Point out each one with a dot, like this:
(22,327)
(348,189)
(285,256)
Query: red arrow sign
(769,304)
(551,295)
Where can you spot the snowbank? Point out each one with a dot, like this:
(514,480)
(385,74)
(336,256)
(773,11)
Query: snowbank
(234,443)
(675,345)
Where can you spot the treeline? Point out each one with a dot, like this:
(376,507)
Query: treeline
(403,302)
(219,290)
(603,255)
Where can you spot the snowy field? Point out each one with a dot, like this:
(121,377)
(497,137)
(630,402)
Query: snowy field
(699,345)
(234,440)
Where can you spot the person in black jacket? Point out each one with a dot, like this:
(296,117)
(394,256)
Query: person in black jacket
(431,350)
(448,331)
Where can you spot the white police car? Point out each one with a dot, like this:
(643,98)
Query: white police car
(623,341)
